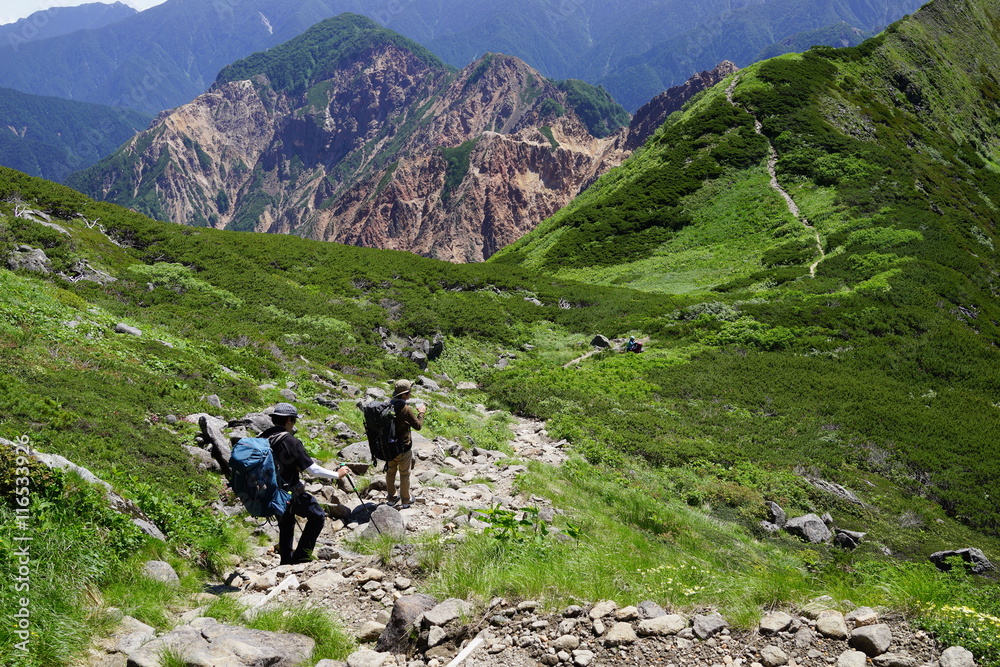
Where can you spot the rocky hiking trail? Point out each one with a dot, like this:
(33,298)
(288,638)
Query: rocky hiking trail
(381,603)
(772,161)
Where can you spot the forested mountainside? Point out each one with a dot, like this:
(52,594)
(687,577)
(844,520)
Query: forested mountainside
(167,55)
(52,137)
(353,133)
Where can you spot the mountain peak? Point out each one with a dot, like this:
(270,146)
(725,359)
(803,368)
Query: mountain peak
(303,61)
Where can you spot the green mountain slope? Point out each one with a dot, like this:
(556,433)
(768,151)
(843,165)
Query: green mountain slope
(52,137)
(888,277)
(735,401)
(839,35)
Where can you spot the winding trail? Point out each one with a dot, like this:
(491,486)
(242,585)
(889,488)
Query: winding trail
(772,160)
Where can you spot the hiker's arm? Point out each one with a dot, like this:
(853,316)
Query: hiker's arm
(415,418)
(319,471)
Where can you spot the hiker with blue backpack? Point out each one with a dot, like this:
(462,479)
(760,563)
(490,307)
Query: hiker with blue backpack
(291,459)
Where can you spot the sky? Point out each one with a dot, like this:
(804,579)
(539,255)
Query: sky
(12,10)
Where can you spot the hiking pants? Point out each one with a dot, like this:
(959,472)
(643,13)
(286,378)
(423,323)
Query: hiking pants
(403,463)
(303,505)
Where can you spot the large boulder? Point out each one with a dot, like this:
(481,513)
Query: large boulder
(356,452)
(873,640)
(974,559)
(385,520)
(809,527)
(30,259)
(396,637)
(207,642)
(601,342)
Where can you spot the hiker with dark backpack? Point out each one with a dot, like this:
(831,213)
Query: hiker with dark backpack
(291,458)
(406,418)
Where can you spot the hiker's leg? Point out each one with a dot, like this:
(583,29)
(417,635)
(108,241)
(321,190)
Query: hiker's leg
(405,463)
(308,508)
(286,533)
(390,477)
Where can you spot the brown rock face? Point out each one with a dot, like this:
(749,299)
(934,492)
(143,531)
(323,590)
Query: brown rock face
(386,151)
(655,112)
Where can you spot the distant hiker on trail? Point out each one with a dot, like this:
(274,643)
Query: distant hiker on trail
(630,345)
(292,459)
(406,418)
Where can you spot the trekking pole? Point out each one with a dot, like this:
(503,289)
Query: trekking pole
(363,504)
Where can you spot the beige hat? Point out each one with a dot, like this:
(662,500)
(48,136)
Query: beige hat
(401,387)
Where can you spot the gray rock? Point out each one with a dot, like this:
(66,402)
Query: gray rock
(649,609)
(831,624)
(345,432)
(601,341)
(211,433)
(620,634)
(566,643)
(159,570)
(706,626)
(214,401)
(428,384)
(356,452)
(974,559)
(123,328)
(130,635)
(847,539)
(205,641)
(385,520)
(370,631)
(324,581)
(808,527)
(894,660)
(957,656)
(834,489)
(852,658)
(29,259)
(446,612)
(368,658)
(872,639)
(777,514)
(772,656)
(466,386)
(435,636)
(603,608)
(774,623)
(405,612)
(860,617)
(661,626)
(288,395)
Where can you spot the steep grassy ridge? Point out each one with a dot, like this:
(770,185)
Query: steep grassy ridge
(884,362)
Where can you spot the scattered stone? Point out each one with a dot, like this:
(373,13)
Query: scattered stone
(29,259)
(872,639)
(661,626)
(706,626)
(847,539)
(396,636)
(627,614)
(851,658)
(324,581)
(808,527)
(894,660)
(601,341)
(957,656)
(566,643)
(123,328)
(214,401)
(831,624)
(368,658)
(774,623)
(370,631)
(447,611)
(205,641)
(385,520)
(602,609)
(778,516)
(620,634)
(289,395)
(772,656)
(861,617)
(650,609)
(159,570)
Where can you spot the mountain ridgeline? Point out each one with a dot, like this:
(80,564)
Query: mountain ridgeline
(352,133)
(167,55)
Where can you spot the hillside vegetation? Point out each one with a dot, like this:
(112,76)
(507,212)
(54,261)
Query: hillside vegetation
(886,358)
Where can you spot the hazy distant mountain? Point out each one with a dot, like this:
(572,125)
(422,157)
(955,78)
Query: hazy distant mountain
(58,21)
(171,53)
(51,137)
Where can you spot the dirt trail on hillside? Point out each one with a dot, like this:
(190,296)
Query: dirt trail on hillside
(616,344)
(772,160)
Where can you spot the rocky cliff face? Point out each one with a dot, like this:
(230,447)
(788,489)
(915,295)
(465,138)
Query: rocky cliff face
(655,112)
(386,148)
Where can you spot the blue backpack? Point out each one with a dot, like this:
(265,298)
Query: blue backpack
(255,479)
